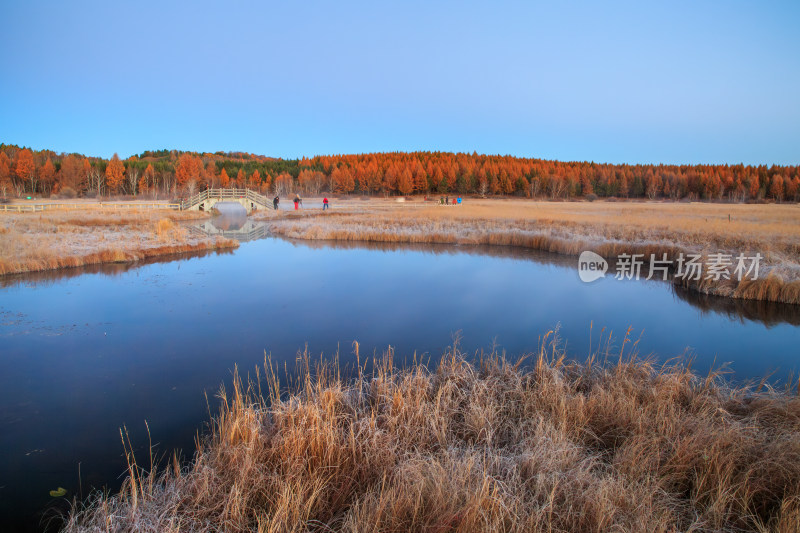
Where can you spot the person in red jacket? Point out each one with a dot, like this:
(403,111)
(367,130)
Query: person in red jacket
(324,203)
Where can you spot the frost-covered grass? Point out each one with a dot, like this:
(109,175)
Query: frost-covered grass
(546,445)
(57,239)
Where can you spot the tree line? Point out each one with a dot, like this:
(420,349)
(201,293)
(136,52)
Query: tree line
(171,173)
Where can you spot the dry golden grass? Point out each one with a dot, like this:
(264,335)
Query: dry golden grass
(493,446)
(765,221)
(59,239)
(608,228)
(168,231)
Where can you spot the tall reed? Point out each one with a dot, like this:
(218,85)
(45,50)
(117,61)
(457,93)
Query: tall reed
(537,444)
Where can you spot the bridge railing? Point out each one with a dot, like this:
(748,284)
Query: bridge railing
(225,194)
(260,199)
(186,203)
(22,208)
(35,208)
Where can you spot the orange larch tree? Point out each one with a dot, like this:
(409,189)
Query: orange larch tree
(390,178)
(25,168)
(87,169)
(115,175)
(792,189)
(5,174)
(374,177)
(47,176)
(754,187)
(438,179)
(343,181)
(255,180)
(211,174)
(405,181)
(72,174)
(265,186)
(419,177)
(187,171)
(776,188)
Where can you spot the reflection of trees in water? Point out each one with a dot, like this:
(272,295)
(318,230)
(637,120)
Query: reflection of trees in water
(48,277)
(768,313)
(504,252)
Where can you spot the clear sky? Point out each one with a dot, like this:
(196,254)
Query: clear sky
(672,82)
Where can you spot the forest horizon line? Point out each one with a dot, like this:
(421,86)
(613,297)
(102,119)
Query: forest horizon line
(45,172)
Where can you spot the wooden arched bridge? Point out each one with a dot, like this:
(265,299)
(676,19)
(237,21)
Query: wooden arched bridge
(205,200)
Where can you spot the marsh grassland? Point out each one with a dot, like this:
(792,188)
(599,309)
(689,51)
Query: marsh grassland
(69,238)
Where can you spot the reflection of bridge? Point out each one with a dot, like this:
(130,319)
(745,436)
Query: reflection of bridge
(250,230)
(205,200)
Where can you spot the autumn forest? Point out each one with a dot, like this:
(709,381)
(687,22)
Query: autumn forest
(170,173)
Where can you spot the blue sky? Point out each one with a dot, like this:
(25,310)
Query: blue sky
(672,82)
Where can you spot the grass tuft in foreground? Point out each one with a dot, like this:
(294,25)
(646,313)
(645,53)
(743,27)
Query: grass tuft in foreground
(539,445)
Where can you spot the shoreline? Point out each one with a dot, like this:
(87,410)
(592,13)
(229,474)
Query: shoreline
(112,256)
(567,234)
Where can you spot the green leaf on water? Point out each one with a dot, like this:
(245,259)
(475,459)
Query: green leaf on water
(59,492)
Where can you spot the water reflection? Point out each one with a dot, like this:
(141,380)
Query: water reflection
(240,227)
(764,312)
(768,313)
(49,277)
(232,222)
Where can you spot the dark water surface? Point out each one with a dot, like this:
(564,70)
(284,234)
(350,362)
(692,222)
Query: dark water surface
(84,352)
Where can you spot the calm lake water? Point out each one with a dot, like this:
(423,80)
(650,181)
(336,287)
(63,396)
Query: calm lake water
(85,352)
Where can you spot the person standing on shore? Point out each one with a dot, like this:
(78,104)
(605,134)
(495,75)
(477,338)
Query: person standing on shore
(325,203)
(297,201)
(275,202)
